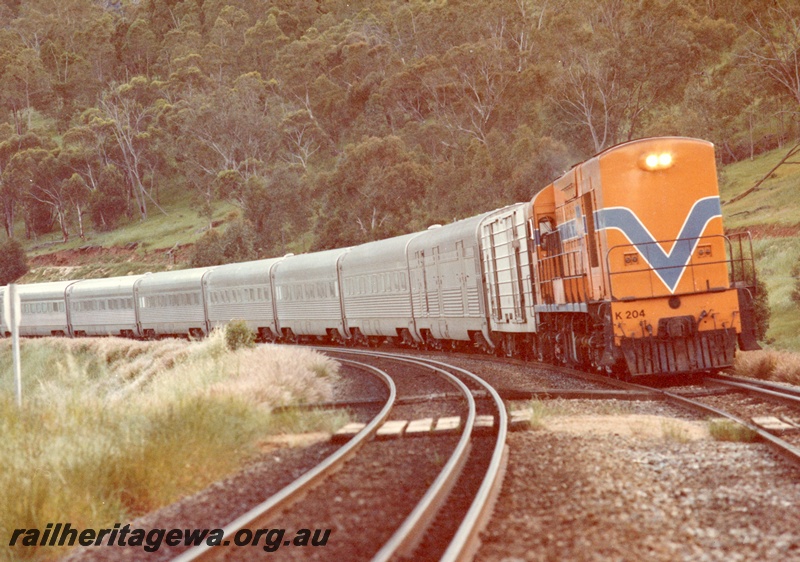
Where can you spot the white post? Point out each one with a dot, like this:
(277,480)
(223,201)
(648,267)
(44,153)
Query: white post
(13,311)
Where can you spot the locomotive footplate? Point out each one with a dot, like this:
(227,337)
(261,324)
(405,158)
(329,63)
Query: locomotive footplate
(701,351)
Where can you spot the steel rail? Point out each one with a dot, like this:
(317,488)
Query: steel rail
(465,541)
(308,480)
(781,392)
(407,537)
(789,451)
(786,449)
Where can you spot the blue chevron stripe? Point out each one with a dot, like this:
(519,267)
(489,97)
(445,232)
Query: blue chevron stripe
(671,266)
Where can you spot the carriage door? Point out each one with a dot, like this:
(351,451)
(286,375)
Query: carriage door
(435,282)
(518,289)
(503,256)
(461,269)
(420,286)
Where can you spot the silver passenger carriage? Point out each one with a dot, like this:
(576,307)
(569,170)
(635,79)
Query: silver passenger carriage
(446,284)
(172,303)
(308,300)
(376,291)
(44,310)
(103,307)
(506,239)
(243,291)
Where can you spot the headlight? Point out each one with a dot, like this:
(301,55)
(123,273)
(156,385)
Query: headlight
(656,161)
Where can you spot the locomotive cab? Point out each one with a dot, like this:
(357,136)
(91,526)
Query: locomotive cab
(641,278)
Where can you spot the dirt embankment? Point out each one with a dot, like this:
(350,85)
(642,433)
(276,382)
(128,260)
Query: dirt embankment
(768,230)
(96,261)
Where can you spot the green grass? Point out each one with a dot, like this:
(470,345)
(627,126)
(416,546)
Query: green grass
(180,225)
(773,203)
(772,213)
(727,430)
(776,258)
(111,428)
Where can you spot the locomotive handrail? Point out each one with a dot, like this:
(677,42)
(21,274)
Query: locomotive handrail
(567,266)
(730,260)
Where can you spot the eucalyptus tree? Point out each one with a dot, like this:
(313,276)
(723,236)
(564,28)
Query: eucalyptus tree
(127,118)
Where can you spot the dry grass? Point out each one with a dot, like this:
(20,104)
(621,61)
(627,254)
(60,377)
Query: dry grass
(674,431)
(114,428)
(279,376)
(780,366)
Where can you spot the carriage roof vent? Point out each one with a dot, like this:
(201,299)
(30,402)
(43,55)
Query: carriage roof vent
(434,226)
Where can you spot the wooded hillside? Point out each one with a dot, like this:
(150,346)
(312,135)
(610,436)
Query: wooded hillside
(357,120)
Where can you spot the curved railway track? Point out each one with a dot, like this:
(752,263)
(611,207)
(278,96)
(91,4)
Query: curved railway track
(766,391)
(416,535)
(465,540)
(699,399)
(267,510)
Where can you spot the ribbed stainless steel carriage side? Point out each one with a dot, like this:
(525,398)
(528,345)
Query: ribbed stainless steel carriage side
(242,291)
(44,309)
(307,293)
(172,303)
(446,280)
(508,270)
(376,288)
(103,307)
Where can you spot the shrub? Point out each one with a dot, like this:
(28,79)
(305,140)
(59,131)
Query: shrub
(238,335)
(761,310)
(727,430)
(13,263)
(209,250)
(781,366)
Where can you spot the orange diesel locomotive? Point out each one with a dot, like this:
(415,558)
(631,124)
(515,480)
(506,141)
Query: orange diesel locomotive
(634,273)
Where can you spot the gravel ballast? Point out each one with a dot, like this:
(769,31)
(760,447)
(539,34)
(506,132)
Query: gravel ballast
(640,495)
